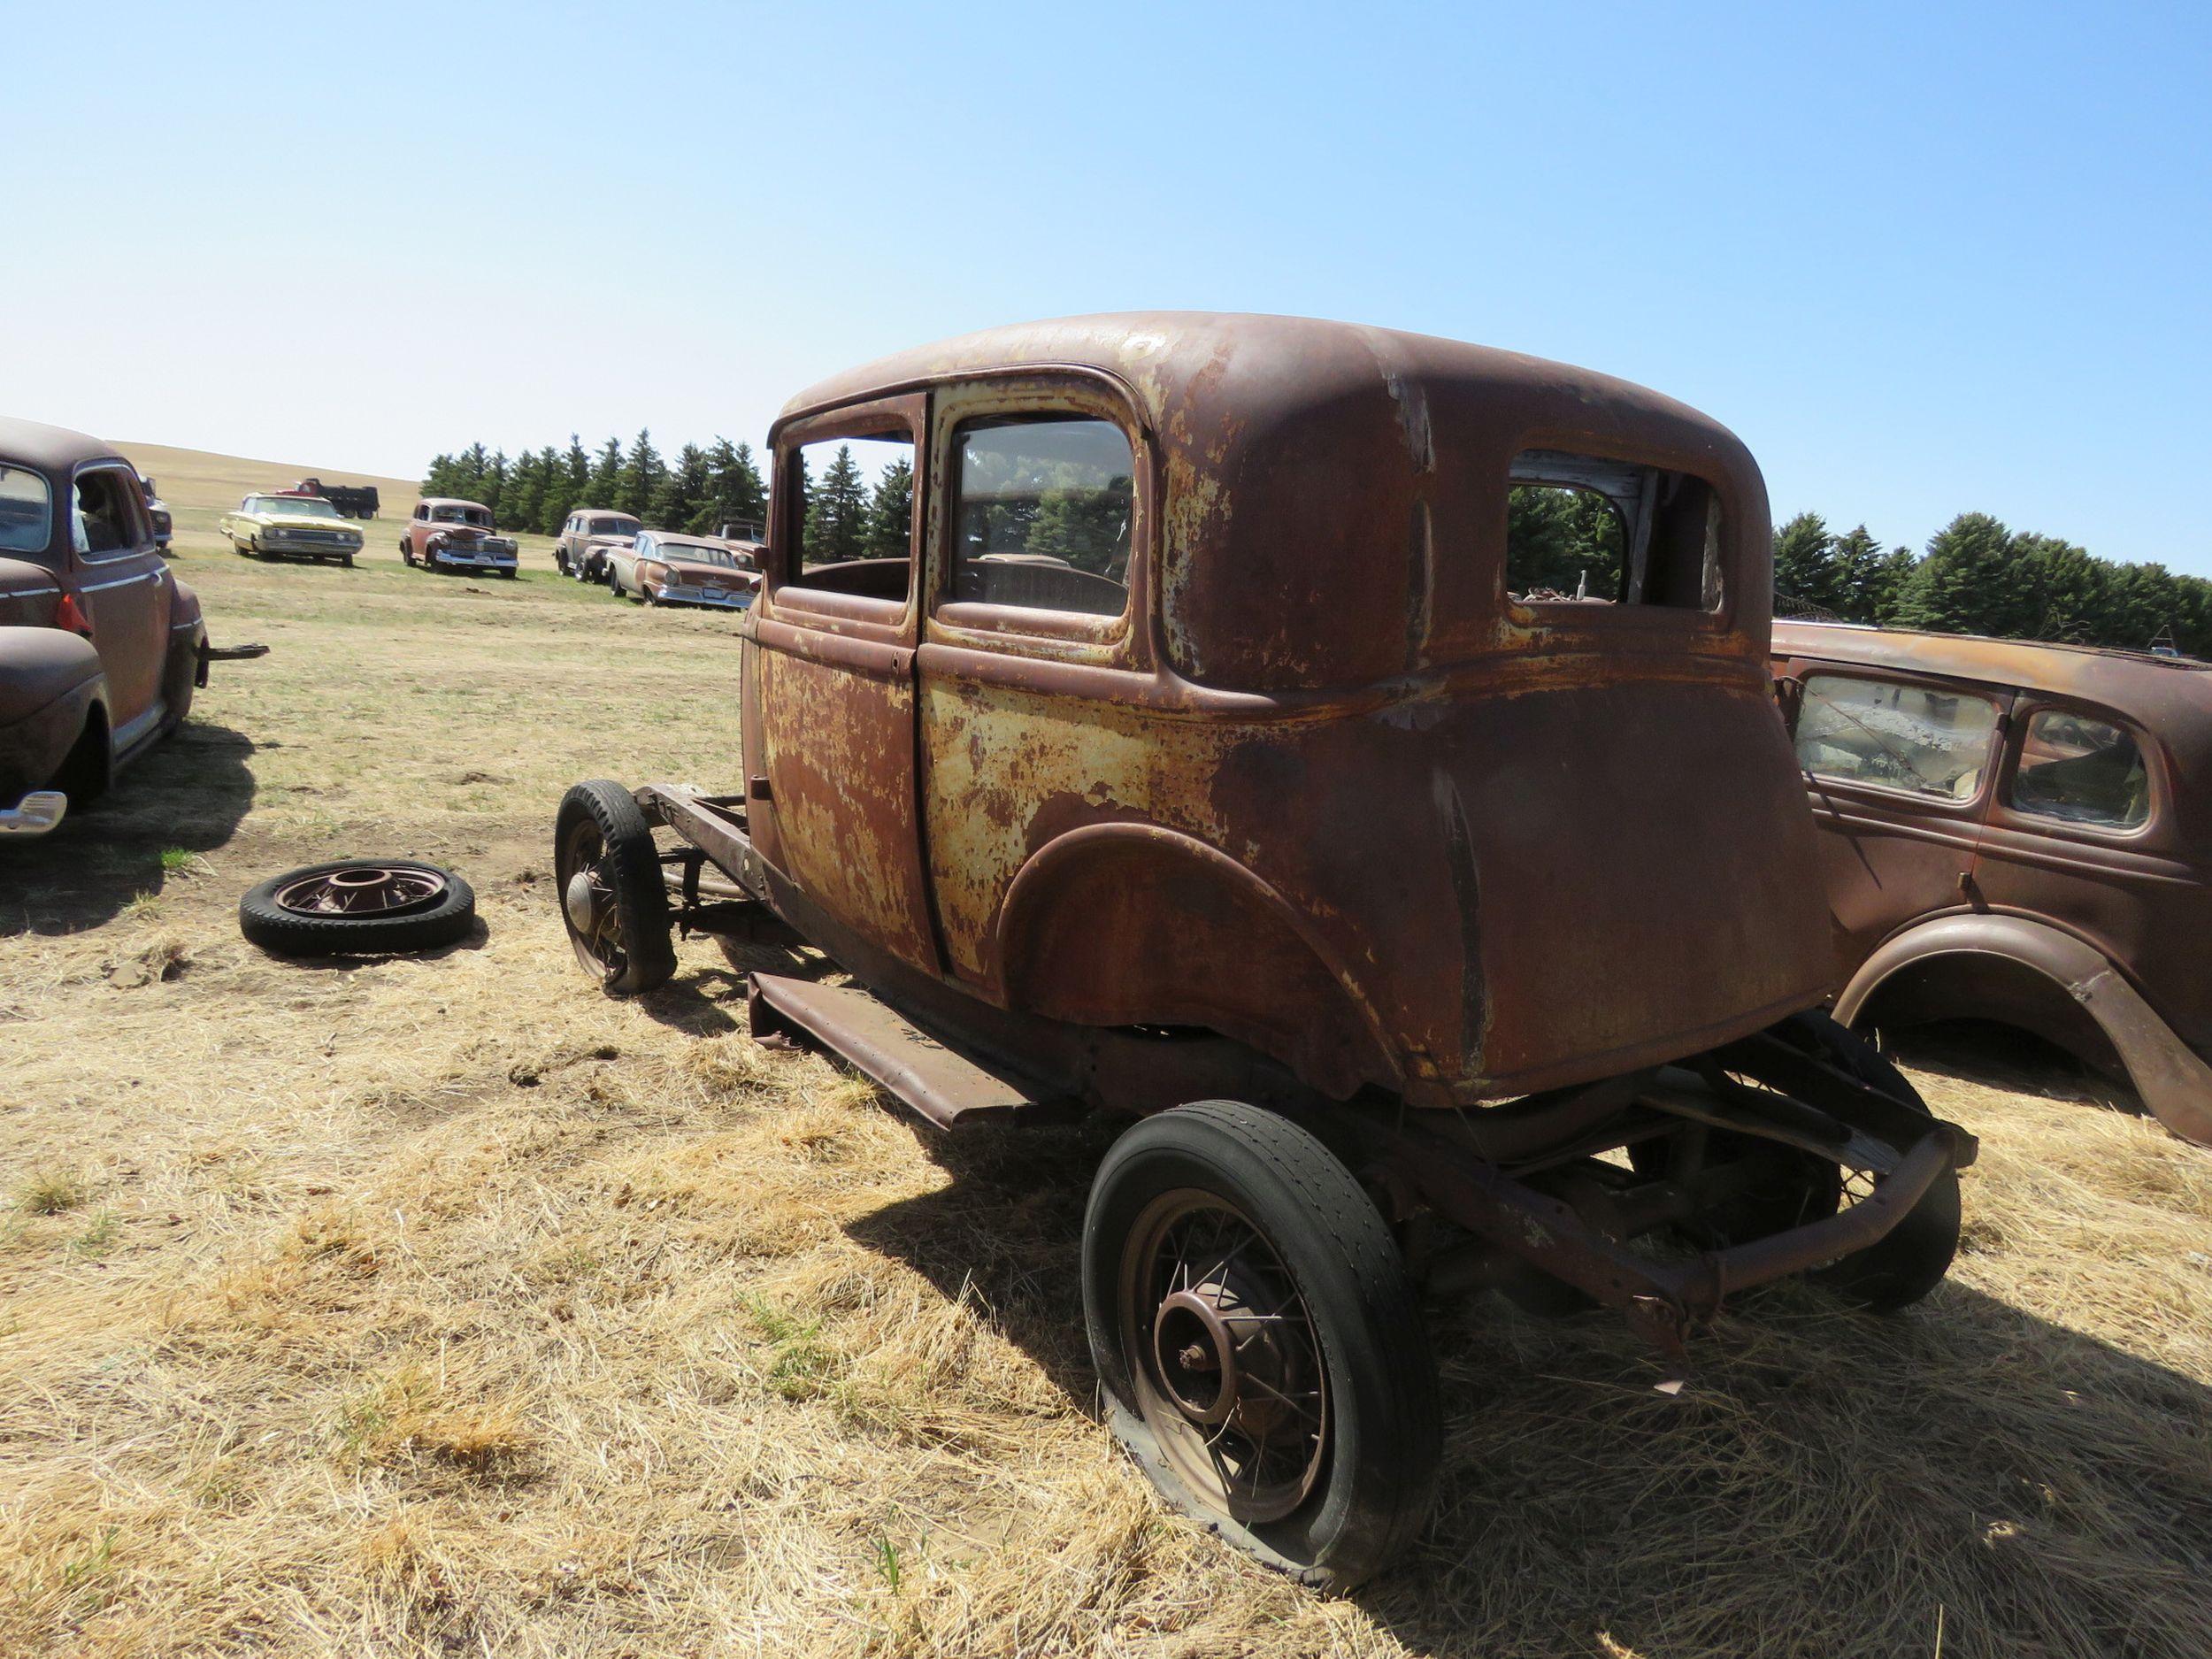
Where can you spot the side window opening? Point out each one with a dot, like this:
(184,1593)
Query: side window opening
(851,515)
(26,510)
(103,518)
(1042,511)
(2081,770)
(1582,527)
(1914,738)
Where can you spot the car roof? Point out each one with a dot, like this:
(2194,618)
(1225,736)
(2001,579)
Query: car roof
(453,501)
(603,513)
(50,448)
(2171,693)
(670,538)
(1304,459)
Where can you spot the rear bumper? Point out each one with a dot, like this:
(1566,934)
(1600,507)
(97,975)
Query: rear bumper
(674,596)
(35,814)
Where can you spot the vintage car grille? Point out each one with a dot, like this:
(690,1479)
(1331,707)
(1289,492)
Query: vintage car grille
(311,538)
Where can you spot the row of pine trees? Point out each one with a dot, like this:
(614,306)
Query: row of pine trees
(696,493)
(1975,576)
(1979,577)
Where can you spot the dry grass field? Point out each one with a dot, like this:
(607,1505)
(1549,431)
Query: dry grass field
(444,1306)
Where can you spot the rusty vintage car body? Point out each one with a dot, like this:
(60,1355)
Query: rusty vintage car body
(101,647)
(661,568)
(1188,755)
(449,534)
(2020,833)
(587,534)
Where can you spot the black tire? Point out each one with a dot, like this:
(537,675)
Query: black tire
(1371,1460)
(1900,1269)
(626,943)
(346,561)
(423,923)
(1912,1259)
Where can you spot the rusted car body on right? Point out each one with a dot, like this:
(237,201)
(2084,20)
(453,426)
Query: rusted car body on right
(2016,832)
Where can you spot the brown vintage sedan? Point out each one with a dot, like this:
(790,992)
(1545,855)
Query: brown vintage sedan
(2020,833)
(1210,741)
(100,647)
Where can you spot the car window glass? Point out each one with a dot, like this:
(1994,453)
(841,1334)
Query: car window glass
(1584,527)
(103,519)
(854,515)
(1929,742)
(27,511)
(2082,770)
(1042,514)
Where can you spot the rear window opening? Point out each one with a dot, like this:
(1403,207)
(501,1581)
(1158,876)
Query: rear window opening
(1582,528)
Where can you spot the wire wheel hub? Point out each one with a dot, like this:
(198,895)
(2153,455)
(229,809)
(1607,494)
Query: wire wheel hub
(371,890)
(1230,1377)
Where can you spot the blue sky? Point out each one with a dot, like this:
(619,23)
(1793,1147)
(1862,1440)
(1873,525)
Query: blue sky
(1923,259)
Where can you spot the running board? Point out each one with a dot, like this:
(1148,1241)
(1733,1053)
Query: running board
(947,1087)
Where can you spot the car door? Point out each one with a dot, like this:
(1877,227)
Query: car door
(829,690)
(1897,769)
(126,591)
(1031,660)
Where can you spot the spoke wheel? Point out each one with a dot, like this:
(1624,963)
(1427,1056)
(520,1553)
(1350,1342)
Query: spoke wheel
(607,879)
(365,890)
(1230,1377)
(358,906)
(1260,1347)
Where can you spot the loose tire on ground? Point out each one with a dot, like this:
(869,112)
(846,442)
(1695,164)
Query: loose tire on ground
(1324,1455)
(608,882)
(358,907)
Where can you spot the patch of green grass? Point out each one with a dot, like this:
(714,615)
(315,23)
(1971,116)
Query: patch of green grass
(100,1235)
(175,861)
(801,1365)
(51,1192)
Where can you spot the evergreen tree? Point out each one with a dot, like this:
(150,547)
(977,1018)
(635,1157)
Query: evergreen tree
(641,478)
(683,502)
(525,493)
(1805,572)
(556,497)
(494,489)
(889,530)
(738,493)
(602,488)
(836,512)
(1969,583)
(1558,538)
(1857,559)
(469,472)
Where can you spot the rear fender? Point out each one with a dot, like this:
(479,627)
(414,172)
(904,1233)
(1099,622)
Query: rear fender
(2175,1083)
(1133,925)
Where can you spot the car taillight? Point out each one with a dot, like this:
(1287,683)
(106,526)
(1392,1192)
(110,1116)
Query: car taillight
(70,615)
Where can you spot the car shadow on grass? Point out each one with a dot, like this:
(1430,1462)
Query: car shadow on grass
(183,797)
(1825,1482)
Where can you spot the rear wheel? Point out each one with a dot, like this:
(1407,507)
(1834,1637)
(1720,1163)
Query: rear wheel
(1260,1346)
(1791,1186)
(608,876)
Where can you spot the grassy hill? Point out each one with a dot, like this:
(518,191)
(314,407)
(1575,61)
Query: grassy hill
(197,479)
(201,486)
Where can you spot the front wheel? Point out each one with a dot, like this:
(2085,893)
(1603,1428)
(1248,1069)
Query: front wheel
(608,878)
(1262,1350)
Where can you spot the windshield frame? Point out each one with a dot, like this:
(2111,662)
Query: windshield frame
(304,506)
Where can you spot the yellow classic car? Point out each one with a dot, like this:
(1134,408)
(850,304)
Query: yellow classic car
(291,527)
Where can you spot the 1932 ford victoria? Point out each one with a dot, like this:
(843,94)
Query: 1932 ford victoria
(1223,746)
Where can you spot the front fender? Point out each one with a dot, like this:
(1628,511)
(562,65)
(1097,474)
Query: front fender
(2175,1083)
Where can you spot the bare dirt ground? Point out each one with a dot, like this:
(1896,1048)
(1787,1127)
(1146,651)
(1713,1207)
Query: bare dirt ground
(445,1306)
